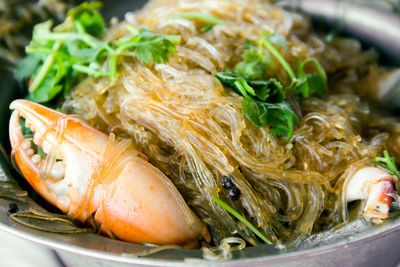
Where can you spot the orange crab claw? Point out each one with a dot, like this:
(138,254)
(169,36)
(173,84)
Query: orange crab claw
(94,178)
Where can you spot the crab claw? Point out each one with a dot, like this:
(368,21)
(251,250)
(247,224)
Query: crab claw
(94,178)
(376,187)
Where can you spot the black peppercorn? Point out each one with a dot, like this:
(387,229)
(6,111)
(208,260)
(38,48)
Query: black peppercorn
(234,193)
(12,208)
(226,181)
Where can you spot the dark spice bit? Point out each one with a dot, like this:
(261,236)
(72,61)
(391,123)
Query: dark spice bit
(234,193)
(226,182)
(12,208)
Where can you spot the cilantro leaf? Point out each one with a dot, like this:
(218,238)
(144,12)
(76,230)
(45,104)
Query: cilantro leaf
(50,86)
(254,63)
(47,90)
(262,103)
(153,48)
(271,90)
(45,69)
(235,82)
(282,118)
(89,18)
(148,47)
(42,29)
(44,94)
(84,7)
(251,67)
(255,111)
(317,84)
(277,115)
(92,22)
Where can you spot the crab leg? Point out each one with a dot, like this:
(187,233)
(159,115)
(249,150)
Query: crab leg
(376,187)
(94,178)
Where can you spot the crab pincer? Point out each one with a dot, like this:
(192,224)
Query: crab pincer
(95,179)
(376,187)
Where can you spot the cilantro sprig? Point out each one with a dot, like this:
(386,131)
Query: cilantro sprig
(264,98)
(262,102)
(58,57)
(254,63)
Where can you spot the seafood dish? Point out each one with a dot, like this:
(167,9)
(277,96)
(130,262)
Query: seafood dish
(206,123)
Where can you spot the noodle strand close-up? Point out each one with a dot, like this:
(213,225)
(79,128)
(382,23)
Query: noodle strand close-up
(193,130)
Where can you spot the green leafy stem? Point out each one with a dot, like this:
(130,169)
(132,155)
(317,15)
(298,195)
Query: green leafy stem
(241,218)
(264,98)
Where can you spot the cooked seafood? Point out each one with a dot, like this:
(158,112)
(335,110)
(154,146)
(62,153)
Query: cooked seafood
(254,117)
(376,187)
(102,180)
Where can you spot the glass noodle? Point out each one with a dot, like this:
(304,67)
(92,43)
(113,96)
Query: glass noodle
(190,127)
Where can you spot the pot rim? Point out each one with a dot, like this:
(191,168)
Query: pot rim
(362,237)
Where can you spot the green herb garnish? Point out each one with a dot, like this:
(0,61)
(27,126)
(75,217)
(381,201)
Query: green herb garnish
(240,218)
(264,42)
(305,85)
(279,116)
(210,21)
(390,163)
(254,63)
(235,82)
(58,57)
(88,17)
(263,102)
(148,48)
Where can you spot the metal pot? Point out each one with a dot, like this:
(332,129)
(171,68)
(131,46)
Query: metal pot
(358,243)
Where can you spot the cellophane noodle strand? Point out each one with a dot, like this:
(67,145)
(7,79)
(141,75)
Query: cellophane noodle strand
(191,128)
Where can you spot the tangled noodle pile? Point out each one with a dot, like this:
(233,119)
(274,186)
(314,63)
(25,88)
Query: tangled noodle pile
(180,116)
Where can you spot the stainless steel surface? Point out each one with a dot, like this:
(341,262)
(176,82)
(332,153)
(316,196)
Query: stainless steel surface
(15,251)
(356,244)
(374,25)
(371,246)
